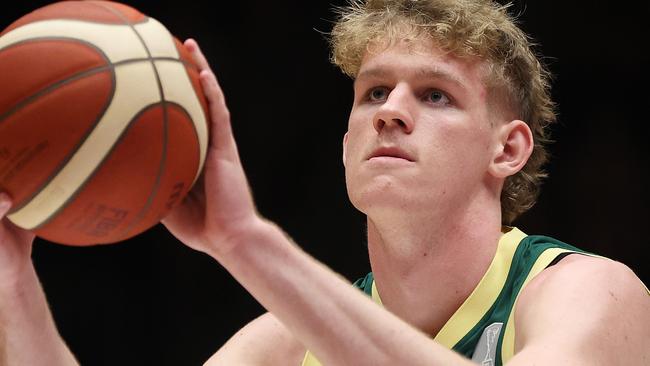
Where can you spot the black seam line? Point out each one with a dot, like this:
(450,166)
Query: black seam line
(163,159)
(144,20)
(52,87)
(135,221)
(96,168)
(108,62)
(81,141)
(80,75)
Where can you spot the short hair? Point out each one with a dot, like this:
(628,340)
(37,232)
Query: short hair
(465,28)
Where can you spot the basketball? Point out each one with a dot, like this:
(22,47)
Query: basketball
(103,125)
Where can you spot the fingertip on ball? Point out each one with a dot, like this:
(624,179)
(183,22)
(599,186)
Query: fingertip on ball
(191,44)
(5,203)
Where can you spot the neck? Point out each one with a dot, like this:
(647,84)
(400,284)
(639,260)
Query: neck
(427,265)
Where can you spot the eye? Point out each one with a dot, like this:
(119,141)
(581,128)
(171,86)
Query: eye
(378,94)
(437,97)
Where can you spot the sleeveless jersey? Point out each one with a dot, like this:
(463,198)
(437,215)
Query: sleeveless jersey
(482,328)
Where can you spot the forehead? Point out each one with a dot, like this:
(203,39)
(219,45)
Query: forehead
(420,59)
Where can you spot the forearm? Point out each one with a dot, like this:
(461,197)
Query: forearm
(331,318)
(28,335)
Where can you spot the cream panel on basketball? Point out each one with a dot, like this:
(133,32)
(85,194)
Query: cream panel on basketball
(125,105)
(177,88)
(110,38)
(157,38)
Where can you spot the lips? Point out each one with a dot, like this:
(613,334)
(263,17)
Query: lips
(391,152)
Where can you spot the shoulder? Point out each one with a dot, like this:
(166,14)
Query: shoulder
(582,277)
(263,341)
(587,273)
(586,304)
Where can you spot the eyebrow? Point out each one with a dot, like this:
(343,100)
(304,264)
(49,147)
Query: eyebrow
(430,73)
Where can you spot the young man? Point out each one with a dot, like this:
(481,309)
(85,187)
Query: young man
(444,148)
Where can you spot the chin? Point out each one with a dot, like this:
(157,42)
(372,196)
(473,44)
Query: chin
(382,193)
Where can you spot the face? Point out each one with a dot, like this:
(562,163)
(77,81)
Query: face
(419,135)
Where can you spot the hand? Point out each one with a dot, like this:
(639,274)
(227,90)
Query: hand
(15,247)
(220,206)
(28,335)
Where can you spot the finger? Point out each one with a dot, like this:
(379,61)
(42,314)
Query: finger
(5,204)
(198,57)
(208,78)
(221,136)
(213,93)
(221,131)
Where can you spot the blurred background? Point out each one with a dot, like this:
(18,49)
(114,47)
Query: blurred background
(151,300)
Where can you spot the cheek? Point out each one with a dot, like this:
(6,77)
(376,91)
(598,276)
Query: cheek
(357,134)
(473,156)
(358,118)
(458,147)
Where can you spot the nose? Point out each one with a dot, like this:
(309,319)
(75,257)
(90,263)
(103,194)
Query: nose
(396,111)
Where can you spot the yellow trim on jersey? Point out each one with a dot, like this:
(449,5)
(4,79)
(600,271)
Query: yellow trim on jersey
(478,302)
(646,287)
(310,360)
(508,346)
(375,293)
(484,295)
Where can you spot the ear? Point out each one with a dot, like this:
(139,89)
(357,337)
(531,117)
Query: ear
(514,146)
(345,147)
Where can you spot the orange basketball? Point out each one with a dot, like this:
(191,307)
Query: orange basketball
(102,121)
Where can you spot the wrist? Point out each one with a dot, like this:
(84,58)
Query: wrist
(16,289)
(244,234)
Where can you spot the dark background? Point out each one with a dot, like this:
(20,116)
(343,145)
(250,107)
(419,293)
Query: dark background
(151,300)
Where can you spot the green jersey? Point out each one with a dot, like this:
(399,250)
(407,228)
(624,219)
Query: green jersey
(482,328)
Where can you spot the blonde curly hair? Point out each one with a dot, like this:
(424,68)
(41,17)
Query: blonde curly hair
(466,28)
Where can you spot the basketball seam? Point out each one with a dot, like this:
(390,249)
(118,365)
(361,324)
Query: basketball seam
(89,130)
(140,215)
(163,101)
(50,87)
(67,19)
(78,190)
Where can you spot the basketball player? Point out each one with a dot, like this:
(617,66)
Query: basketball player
(443,150)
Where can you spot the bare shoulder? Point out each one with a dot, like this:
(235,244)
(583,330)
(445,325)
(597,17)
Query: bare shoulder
(588,308)
(264,341)
(582,275)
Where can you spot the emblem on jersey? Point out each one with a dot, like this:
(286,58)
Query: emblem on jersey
(486,348)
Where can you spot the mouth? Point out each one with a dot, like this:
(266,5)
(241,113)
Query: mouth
(391,152)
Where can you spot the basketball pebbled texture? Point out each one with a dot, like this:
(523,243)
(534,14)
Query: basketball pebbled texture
(103,124)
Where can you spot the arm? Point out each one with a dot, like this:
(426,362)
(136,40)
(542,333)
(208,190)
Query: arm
(339,324)
(264,341)
(28,335)
(583,311)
